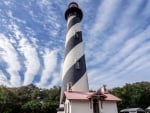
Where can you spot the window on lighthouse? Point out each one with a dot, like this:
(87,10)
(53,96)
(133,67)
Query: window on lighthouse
(73,14)
(76,35)
(77,64)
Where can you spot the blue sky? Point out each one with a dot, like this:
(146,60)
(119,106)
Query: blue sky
(116,36)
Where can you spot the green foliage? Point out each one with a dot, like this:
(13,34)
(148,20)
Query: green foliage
(31,106)
(29,99)
(133,95)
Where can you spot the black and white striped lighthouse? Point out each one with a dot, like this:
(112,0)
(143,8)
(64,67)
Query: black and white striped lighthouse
(74,66)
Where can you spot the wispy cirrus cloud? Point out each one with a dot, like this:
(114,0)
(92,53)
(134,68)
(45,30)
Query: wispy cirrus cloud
(50,63)
(10,56)
(30,54)
(116,36)
(32,63)
(120,41)
(4,80)
(129,47)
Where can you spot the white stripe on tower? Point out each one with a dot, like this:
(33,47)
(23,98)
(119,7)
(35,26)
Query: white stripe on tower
(72,31)
(74,55)
(68,21)
(81,83)
(74,67)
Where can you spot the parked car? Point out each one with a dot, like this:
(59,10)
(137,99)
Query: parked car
(147,110)
(132,110)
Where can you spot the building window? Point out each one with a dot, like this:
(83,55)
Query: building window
(77,65)
(90,103)
(95,106)
(76,35)
(68,108)
(65,108)
(69,86)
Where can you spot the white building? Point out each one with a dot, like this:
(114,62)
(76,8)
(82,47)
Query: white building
(90,102)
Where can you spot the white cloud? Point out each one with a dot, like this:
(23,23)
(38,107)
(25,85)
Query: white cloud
(123,27)
(146,9)
(125,49)
(141,61)
(28,50)
(32,62)
(115,33)
(3,79)
(50,63)
(10,56)
(7,2)
(138,53)
(105,11)
(128,49)
(56,80)
(43,2)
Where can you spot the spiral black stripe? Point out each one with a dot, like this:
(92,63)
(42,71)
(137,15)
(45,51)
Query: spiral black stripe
(73,74)
(72,22)
(74,40)
(76,74)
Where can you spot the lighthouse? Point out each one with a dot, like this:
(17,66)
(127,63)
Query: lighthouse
(74,73)
(75,96)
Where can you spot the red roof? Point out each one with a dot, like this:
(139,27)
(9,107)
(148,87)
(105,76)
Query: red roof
(75,95)
(111,97)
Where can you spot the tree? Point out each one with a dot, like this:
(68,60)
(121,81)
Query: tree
(31,106)
(29,99)
(133,95)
